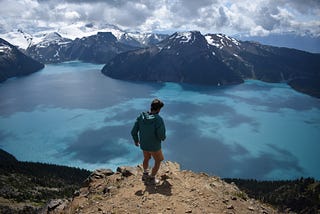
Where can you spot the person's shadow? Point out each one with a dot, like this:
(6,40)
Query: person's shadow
(164,189)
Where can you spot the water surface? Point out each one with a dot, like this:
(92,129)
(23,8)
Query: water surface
(71,114)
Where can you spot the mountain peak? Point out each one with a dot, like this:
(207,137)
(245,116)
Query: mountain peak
(179,191)
(107,35)
(185,37)
(52,36)
(184,40)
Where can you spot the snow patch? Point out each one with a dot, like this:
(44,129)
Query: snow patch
(233,41)
(142,37)
(222,41)
(5,49)
(56,54)
(183,37)
(212,42)
(159,47)
(236,42)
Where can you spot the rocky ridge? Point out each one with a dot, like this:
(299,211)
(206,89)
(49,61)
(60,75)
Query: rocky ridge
(96,48)
(182,57)
(179,191)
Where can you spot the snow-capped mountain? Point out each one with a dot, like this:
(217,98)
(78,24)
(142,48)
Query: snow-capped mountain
(215,59)
(82,42)
(23,38)
(18,38)
(53,38)
(182,57)
(142,39)
(97,48)
(14,63)
(53,48)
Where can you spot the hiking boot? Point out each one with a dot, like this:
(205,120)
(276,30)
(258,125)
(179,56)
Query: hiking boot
(145,176)
(153,181)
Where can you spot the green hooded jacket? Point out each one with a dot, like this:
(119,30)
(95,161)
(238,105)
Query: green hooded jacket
(151,131)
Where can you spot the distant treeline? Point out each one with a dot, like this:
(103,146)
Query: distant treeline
(36,183)
(47,173)
(301,195)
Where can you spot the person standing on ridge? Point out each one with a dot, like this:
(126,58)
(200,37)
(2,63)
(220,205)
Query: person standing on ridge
(148,132)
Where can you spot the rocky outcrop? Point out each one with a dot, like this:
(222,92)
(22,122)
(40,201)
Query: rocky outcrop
(14,63)
(179,191)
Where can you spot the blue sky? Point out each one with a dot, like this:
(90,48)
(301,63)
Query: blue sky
(247,17)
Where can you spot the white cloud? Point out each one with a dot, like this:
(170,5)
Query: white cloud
(259,31)
(72,15)
(259,17)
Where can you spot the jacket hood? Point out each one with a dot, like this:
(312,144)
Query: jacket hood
(148,117)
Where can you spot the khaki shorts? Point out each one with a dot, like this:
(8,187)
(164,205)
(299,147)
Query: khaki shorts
(157,156)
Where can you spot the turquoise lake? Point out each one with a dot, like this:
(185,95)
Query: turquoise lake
(71,114)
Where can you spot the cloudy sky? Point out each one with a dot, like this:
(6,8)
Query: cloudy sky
(253,17)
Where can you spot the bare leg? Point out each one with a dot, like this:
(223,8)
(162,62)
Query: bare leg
(158,157)
(147,156)
(155,168)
